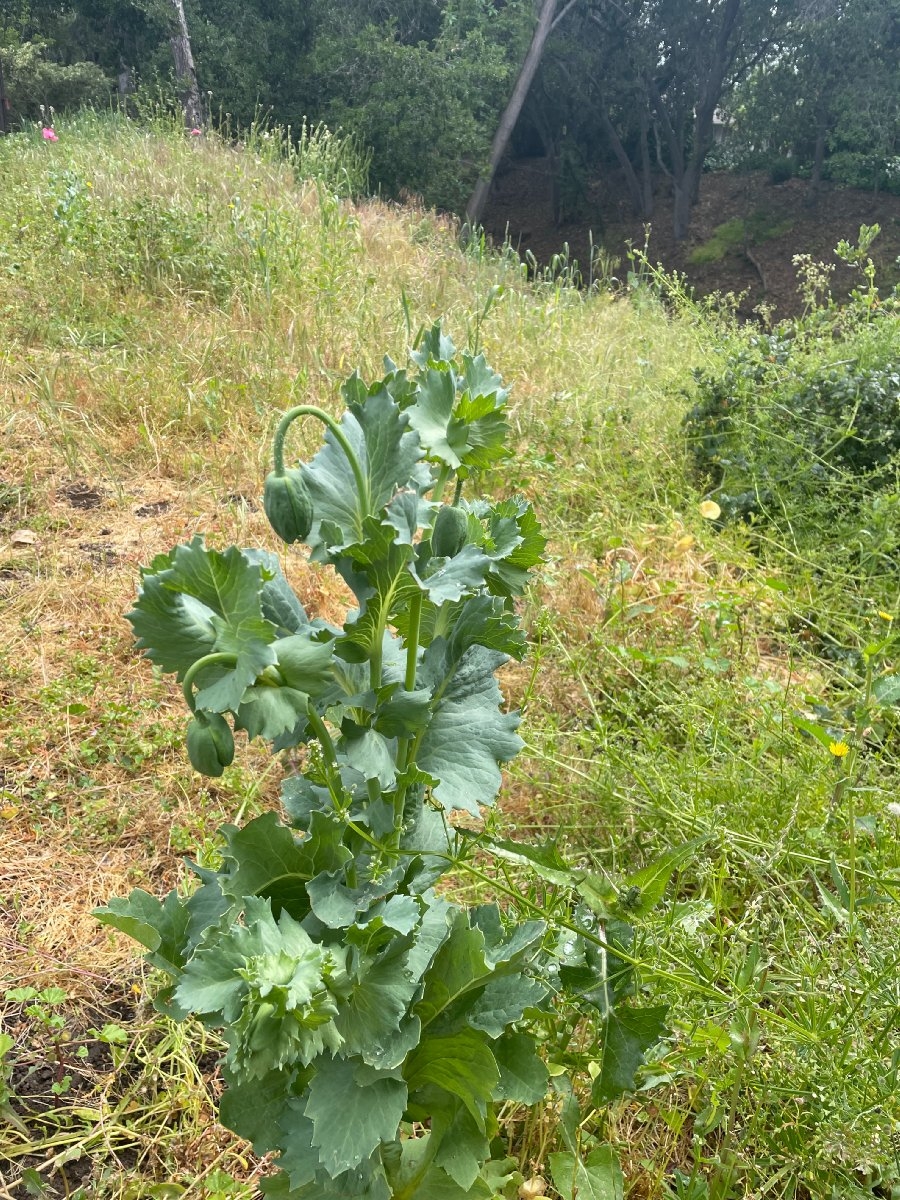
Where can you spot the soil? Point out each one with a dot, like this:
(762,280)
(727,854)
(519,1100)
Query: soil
(44,1061)
(761,272)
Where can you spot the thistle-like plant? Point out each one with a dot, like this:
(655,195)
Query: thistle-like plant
(372,1026)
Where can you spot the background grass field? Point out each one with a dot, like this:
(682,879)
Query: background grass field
(163,299)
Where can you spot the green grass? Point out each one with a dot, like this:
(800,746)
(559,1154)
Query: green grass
(163,300)
(733,235)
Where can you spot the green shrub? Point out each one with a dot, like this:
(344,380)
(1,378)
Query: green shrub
(802,424)
(868,172)
(781,170)
(35,84)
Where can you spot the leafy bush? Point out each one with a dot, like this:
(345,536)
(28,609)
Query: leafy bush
(358,1005)
(802,425)
(459,84)
(768,423)
(781,170)
(869,172)
(34,82)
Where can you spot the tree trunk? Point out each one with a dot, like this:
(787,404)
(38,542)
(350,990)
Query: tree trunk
(124,85)
(631,179)
(185,73)
(551,154)
(686,171)
(646,170)
(478,199)
(815,178)
(4,103)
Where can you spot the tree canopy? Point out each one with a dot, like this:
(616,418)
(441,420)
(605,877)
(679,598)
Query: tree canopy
(435,88)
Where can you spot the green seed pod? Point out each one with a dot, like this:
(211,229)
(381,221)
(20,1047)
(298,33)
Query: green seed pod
(210,743)
(288,505)
(450,531)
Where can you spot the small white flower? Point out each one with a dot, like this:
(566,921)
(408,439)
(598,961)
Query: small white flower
(894,809)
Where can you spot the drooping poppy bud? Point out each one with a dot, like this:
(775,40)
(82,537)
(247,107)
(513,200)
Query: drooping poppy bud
(288,505)
(210,743)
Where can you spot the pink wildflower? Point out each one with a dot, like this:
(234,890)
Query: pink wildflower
(196,132)
(49,135)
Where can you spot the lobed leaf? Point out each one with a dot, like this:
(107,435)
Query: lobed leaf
(353,1108)
(468,736)
(598,1177)
(628,1034)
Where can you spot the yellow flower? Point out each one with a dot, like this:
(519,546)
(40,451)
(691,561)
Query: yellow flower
(885,616)
(838,749)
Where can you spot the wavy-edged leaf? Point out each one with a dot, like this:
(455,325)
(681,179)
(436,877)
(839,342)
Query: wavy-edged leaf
(503,1002)
(270,712)
(278,601)
(172,630)
(461,1064)
(267,859)
(628,1034)
(254,1109)
(372,1019)
(482,380)
(433,346)
(464,1145)
(389,455)
(523,1074)
(597,1177)
(460,966)
(160,927)
(379,575)
(198,593)
(517,545)
(469,736)
(353,1109)
(338,906)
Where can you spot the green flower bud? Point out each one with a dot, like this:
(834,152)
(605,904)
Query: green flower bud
(210,743)
(288,505)
(450,532)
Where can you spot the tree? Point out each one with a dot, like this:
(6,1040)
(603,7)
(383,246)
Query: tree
(422,93)
(687,58)
(547,19)
(830,99)
(185,72)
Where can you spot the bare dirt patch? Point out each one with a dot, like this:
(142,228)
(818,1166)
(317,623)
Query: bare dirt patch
(81,494)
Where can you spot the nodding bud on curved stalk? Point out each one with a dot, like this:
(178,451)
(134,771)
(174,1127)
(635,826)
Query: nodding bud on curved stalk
(288,505)
(286,497)
(210,743)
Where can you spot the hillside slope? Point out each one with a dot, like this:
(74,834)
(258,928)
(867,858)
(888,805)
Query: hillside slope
(715,692)
(780,221)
